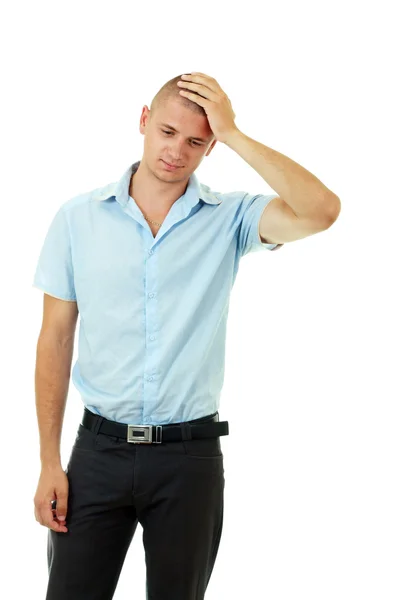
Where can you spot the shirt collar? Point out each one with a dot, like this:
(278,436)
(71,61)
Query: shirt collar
(119,190)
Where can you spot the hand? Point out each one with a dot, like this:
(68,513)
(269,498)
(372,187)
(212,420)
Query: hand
(213,99)
(53,485)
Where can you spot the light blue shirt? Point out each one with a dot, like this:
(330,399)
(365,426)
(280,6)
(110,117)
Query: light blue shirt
(153,310)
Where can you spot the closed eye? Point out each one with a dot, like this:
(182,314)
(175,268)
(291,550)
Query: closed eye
(170,132)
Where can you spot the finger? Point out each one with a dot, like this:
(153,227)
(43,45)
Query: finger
(194,97)
(60,506)
(59,519)
(202,75)
(206,80)
(46,520)
(49,520)
(201,89)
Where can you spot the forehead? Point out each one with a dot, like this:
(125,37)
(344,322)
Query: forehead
(183,120)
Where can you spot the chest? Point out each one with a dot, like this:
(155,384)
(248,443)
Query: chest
(154,228)
(158,219)
(120,271)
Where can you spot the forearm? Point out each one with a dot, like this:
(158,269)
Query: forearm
(52,374)
(306,195)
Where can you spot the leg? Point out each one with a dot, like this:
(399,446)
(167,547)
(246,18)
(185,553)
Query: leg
(182,523)
(85,562)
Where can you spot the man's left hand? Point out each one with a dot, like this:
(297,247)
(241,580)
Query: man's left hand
(214,101)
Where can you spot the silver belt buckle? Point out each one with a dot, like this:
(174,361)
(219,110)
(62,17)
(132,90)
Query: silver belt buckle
(143,434)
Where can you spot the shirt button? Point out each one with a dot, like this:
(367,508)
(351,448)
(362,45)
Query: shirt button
(151,251)
(151,295)
(150,378)
(152,337)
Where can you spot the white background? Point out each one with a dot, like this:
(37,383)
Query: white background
(311,382)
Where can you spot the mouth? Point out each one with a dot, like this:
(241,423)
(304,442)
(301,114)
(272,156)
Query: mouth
(170,167)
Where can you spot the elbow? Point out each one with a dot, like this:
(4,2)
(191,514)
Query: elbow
(334,209)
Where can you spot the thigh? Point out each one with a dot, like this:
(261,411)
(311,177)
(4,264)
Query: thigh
(85,562)
(182,525)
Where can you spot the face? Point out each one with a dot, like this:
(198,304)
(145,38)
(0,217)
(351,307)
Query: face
(171,136)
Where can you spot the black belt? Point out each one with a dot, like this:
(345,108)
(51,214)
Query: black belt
(206,427)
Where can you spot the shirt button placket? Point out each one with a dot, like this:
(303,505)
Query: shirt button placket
(150,397)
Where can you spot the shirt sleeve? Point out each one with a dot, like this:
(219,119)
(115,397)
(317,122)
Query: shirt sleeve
(54,271)
(249,236)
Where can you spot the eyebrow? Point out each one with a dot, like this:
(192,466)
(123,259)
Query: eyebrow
(173,129)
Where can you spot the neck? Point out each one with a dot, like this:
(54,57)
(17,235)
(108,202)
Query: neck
(152,193)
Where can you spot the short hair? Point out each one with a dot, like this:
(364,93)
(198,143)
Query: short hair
(171,90)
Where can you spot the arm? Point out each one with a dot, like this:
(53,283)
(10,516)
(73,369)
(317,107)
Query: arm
(52,373)
(305,205)
(304,195)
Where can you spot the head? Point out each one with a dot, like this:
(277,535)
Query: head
(177,131)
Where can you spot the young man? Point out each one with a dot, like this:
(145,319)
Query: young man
(149,263)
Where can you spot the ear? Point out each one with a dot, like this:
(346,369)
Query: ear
(144,118)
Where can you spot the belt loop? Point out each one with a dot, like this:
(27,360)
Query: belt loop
(186,431)
(97,424)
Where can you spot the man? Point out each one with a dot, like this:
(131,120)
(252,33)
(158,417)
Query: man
(149,263)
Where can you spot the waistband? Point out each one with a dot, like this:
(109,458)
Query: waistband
(204,427)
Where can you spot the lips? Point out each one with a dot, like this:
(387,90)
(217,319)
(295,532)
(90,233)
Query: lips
(172,166)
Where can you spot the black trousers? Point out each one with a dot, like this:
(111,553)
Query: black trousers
(174,489)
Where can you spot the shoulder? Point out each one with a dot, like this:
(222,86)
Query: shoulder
(85,198)
(229,200)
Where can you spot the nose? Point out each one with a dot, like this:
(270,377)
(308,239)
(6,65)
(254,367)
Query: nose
(174,158)
(176,152)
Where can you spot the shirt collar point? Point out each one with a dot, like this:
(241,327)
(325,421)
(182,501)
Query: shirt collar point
(115,190)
